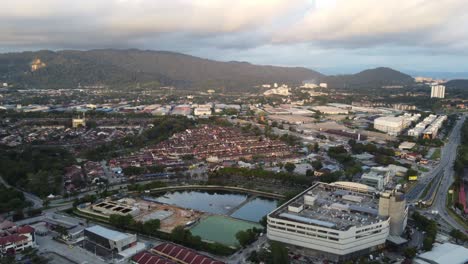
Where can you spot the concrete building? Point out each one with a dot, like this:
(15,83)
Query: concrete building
(79,121)
(339,220)
(437,91)
(120,207)
(330,110)
(283,90)
(203,110)
(378,177)
(16,239)
(392,125)
(110,239)
(443,253)
(393,205)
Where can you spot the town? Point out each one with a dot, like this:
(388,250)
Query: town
(282,176)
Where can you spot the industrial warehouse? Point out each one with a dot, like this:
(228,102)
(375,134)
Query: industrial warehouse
(339,220)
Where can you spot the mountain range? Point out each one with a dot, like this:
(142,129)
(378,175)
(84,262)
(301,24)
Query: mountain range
(126,68)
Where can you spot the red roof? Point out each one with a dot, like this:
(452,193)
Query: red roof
(12,239)
(25,230)
(183,254)
(148,258)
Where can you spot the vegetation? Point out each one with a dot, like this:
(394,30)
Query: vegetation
(247,237)
(11,199)
(276,254)
(458,235)
(427,225)
(147,186)
(178,235)
(260,174)
(289,167)
(36,169)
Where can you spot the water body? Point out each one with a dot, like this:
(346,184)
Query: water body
(211,202)
(256,209)
(220,202)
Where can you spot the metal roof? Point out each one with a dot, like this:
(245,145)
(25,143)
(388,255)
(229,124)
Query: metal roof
(107,233)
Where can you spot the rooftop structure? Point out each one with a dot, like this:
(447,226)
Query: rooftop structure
(111,207)
(392,125)
(378,177)
(337,219)
(110,239)
(330,110)
(443,253)
(182,255)
(148,258)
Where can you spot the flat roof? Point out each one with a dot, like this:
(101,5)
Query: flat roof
(328,205)
(107,233)
(446,253)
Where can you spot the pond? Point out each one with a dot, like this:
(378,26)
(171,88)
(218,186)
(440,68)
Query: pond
(237,205)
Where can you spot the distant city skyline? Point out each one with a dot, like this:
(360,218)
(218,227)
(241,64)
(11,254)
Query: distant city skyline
(331,36)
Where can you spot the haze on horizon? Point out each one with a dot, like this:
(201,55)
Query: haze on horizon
(332,36)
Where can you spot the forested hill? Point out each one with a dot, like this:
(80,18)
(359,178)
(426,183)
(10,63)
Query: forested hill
(126,68)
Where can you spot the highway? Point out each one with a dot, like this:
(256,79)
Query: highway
(448,155)
(447,179)
(442,177)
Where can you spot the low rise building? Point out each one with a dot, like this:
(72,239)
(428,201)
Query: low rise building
(110,239)
(392,125)
(16,239)
(341,220)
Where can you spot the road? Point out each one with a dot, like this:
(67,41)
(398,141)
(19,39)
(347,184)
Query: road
(443,177)
(241,255)
(439,202)
(442,170)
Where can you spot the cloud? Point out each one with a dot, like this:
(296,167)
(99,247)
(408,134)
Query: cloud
(360,23)
(86,21)
(287,32)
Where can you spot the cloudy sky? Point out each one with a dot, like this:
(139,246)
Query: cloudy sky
(332,36)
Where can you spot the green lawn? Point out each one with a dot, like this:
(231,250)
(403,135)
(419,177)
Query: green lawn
(436,154)
(221,229)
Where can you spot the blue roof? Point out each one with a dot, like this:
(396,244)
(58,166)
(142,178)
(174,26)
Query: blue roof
(107,233)
(307,220)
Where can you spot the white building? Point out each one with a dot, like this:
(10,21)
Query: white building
(443,253)
(283,90)
(377,177)
(323,85)
(340,220)
(203,110)
(309,85)
(16,239)
(392,125)
(437,91)
(330,110)
(124,244)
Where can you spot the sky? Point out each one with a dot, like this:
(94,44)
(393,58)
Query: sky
(331,36)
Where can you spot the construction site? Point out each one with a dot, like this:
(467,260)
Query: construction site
(143,210)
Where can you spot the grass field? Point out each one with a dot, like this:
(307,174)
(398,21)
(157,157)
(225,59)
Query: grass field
(436,154)
(221,229)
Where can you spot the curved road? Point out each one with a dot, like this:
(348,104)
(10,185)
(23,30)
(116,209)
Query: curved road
(447,180)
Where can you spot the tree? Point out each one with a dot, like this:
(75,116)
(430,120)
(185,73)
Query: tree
(458,235)
(246,237)
(289,167)
(121,221)
(410,252)
(279,253)
(317,164)
(151,226)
